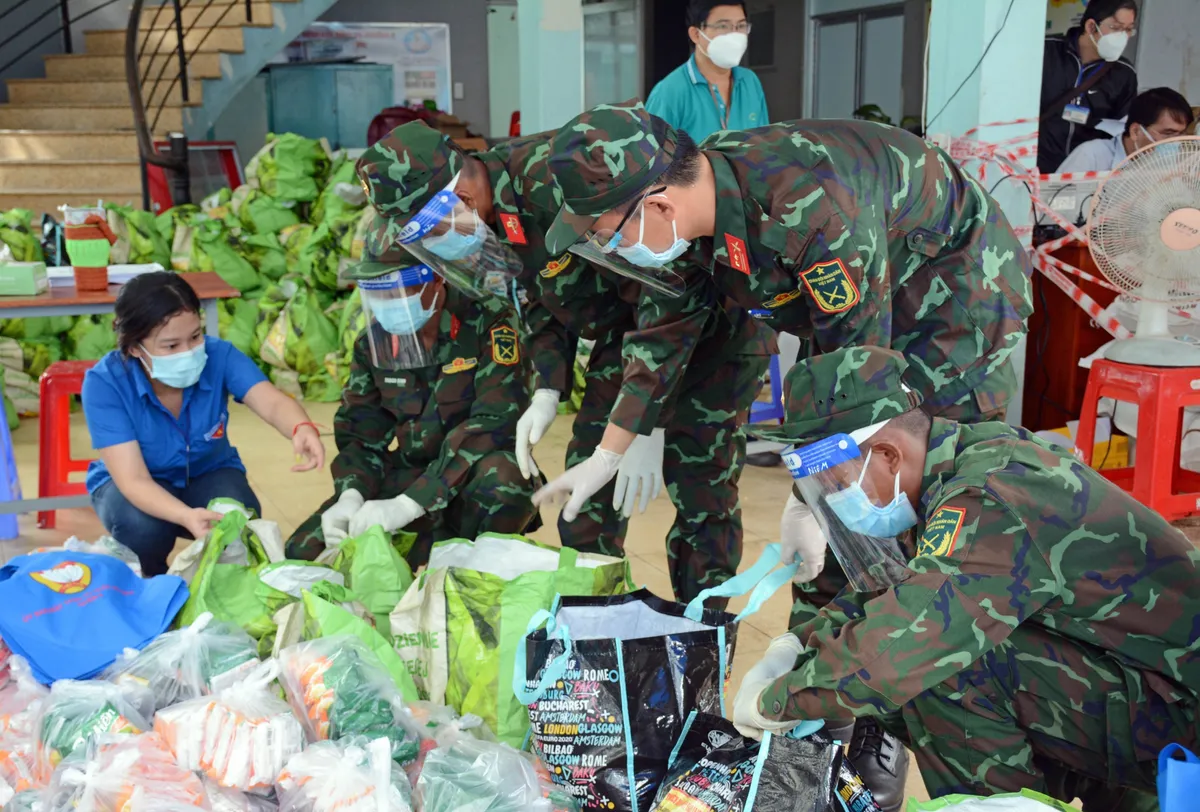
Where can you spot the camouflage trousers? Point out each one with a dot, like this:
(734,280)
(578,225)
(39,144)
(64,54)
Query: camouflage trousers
(703,457)
(832,580)
(494,499)
(1049,714)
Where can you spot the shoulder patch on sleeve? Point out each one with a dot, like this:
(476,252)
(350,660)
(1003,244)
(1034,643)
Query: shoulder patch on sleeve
(941,531)
(830,286)
(506,349)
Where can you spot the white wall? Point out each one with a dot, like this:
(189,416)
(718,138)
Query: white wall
(468,42)
(1169,46)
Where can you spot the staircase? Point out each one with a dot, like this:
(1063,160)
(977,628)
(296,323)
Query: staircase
(73,136)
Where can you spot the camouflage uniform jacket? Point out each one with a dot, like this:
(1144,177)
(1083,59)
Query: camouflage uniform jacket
(568,294)
(444,417)
(854,233)
(1013,531)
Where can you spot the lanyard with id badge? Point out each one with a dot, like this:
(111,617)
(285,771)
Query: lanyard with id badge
(1076,112)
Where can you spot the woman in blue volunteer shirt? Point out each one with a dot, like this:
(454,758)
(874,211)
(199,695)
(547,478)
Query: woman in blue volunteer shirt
(157,409)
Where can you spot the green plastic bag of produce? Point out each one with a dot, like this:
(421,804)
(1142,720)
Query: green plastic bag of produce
(43,327)
(289,167)
(22,391)
(374,566)
(214,249)
(322,386)
(293,239)
(10,410)
(226,580)
(1024,801)
(17,232)
(337,687)
(324,616)
(259,213)
(301,336)
(238,330)
(39,354)
(317,260)
(265,252)
(138,239)
(342,195)
(467,774)
(91,338)
(459,625)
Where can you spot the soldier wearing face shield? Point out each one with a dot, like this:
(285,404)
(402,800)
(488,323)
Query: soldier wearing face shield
(442,377)
(1017,619)
(844,233)
(680,380)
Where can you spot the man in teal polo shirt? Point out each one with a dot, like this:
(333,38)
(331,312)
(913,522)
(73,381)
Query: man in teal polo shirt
(710,92)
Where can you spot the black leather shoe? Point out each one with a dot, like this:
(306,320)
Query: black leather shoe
(882,762)
(764,459)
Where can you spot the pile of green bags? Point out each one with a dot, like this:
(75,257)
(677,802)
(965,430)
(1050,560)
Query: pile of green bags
(281,240)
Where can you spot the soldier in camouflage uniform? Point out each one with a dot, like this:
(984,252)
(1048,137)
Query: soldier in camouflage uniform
(452,420)
(1043,633)
(694,371)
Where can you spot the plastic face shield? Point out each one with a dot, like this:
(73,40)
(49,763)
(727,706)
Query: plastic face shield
(601,247)
(834,467)
(449,237)
(398,308)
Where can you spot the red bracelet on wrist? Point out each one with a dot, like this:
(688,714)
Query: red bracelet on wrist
(299,426)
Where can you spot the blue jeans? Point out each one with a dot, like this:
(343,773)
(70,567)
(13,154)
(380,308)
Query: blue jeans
(152,538)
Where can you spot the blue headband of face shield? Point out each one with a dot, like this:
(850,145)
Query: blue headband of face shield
(400,315)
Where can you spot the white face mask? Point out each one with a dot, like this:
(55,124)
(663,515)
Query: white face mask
(1111,46)
(726,50)
(1150,137)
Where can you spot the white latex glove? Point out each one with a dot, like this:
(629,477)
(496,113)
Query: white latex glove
(532,425)
(391,514)
(335,522)
(779,660)
(641,469)
(581,482)
(801,537)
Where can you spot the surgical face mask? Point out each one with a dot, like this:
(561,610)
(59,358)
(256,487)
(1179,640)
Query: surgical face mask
(1111,46)
(180,370)
(726,50)
(1146,133)
(402,316)
(641,255)
(453,246)
(862,516)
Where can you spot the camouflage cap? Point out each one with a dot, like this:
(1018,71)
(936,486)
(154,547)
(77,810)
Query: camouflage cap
(839,392)
(412,163)
(601,159)
(380,253)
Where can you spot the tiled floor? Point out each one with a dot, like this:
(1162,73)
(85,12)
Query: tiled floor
(290,498)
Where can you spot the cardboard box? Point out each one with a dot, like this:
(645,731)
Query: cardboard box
(23,278)
(452,126)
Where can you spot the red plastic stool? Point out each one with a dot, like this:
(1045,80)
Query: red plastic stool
(55,464)
(1161,394)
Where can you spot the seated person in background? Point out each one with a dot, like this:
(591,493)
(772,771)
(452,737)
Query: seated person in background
(427,426)
(1155,115)
(157,409)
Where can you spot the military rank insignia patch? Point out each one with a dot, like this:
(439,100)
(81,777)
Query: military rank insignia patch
(459,365)
(556,266)
(737,254)
(780,299)
(831,286)
(513,229)
(941,531)
(505,349)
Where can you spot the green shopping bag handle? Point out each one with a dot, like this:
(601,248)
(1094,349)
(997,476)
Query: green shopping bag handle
(555,669)
(758,578)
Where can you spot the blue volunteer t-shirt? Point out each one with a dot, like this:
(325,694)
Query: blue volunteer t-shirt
(70,614)
(120,405)
(686,101)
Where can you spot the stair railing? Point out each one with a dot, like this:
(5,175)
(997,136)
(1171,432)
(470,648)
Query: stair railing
(146,74)
(22,34)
